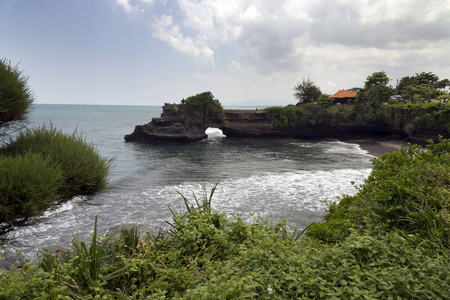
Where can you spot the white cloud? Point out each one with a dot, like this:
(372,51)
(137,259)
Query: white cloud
(336,43)
(125,4)
(165,30)
(134,6)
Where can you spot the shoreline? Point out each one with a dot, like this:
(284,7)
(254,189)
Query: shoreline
(376,147)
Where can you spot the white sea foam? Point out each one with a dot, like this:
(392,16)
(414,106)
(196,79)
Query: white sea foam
(274,195)
(66,206)
(214,133)
(338,147)
(283,178)
(300,197)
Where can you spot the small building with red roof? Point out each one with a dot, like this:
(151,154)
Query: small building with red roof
(344,97)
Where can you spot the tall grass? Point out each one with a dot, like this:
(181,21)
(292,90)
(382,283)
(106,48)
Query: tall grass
(43,166)
(84,170)
(29,184)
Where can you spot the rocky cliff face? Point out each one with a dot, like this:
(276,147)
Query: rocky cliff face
(177,125)
(261,124)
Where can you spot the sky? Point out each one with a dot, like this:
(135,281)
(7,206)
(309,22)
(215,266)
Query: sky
(246,52)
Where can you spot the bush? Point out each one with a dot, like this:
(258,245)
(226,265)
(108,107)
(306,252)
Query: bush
(309,115)
(206,104)
(84,170)
(209,256)
(288,116)
(29,184)
(407,191)
(15,95)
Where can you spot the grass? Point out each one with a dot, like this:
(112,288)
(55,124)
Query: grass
(41,167)
(29,184)
(85,171)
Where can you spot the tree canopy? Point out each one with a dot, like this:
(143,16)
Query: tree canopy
(376,89)
(369,99)
(421,87)
(306,92)
(15,95)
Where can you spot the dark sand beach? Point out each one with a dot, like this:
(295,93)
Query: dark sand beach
(376,147)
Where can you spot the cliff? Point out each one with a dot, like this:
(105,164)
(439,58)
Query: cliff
(178,125)
(262,124)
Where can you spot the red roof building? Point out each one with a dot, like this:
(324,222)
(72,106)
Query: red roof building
(344,97)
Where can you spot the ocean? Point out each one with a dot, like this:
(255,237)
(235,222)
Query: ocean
(287,178)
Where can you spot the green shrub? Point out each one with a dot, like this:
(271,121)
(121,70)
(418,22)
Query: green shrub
(288,116)
(206,104)
(85,171)
(210,256)
(309,115)
(15,95)
(411,117)
(29,184)
(173,109)
(408,191)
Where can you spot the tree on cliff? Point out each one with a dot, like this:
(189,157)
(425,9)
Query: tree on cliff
(421,87)
(306,92)
(206,104)
(442,84)
(15,95)
(369,99)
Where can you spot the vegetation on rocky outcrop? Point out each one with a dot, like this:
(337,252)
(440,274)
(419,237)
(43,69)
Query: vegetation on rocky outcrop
(375,109)
(305,116)
(181,123)
(206,104)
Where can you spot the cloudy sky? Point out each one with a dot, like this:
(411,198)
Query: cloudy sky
(246,52)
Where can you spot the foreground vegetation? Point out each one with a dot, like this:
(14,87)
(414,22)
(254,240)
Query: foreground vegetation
(389,241)
(43,166)
(39,167)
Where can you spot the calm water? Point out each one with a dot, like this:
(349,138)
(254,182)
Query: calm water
(272,178)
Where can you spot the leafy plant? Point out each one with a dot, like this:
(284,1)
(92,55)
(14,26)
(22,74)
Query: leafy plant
(88,259)
(130,238)
(407,191)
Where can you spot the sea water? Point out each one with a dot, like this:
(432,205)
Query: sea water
(292,179)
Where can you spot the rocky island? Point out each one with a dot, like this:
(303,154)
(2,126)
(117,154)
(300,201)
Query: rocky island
(181,123)
(187,122)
